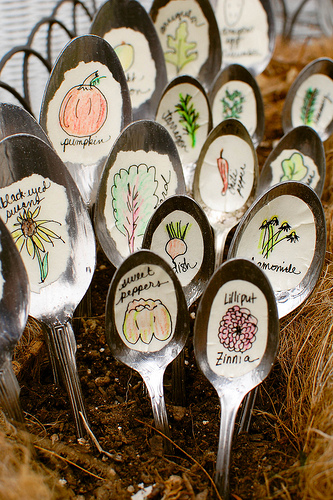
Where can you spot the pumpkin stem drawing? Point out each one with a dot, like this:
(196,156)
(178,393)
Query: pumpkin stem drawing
(84,108)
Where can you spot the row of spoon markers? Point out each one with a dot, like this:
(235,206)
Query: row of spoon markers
(172,174)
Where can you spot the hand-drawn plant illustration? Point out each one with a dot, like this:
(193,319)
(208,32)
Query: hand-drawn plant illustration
(32,234)
(232,104)
(176,244)
(223,167)
(269,239)
(84,108)
(134,200)
(188,116)
(237,329)
(125,53)
(308,107)
(145,319)
(294,168)
(182,52)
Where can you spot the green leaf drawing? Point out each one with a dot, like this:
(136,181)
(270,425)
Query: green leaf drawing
(308,108)
(294,168)
(45,266)
(232,104)
(188,116)
(134,200)
(182,52)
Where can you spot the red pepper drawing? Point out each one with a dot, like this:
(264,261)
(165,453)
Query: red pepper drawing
(223,167)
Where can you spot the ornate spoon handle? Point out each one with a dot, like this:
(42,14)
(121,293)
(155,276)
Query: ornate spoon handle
(10,394)
(62,348)
(154,383)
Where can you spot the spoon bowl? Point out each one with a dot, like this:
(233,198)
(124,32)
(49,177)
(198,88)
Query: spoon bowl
(308,101)
(300,156)
(225,178)
(16,120)
(85,106)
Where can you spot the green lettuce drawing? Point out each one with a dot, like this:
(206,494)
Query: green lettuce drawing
(134,200)
(294,168)
(182,52)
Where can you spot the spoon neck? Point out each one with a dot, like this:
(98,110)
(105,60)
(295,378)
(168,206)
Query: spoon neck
(229,410)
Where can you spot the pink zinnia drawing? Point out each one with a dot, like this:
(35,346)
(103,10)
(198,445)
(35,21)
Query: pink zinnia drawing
(238,329)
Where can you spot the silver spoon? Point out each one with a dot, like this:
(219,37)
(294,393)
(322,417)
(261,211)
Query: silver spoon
(310,99)
(284,232)
(142,170)
(85,106)
(16,120)
(236,94)
(225,178)
(298,156)
(43,210)
(190,38)
(179,231)
(147,323)
(235,343)
(128,28)
(14,305)
(247,31)
(184,111)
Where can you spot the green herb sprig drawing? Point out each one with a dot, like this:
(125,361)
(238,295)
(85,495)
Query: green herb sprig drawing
(270,236)
(182,52)
(134,200)
(232,104)
(32,234)
(309,103)
(188,116)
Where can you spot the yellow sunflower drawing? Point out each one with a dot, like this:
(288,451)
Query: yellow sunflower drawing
(32,234)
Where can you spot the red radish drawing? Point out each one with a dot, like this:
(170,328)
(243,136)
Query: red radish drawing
(176,244)
(223,167)
(84,108)
(233,11)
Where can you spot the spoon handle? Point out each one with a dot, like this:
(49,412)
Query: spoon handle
(154,383)
(229,408)
(220,239)
(246,415)
(10,394)
(62,348)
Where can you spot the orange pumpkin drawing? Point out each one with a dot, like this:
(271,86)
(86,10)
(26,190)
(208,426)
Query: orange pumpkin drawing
(84,108)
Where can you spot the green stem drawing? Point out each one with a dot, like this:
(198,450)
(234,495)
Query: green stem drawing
(188,116)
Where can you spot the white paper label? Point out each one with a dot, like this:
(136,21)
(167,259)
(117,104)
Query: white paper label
(132,49)
(84,116)
(34,210)
(145,308)
(137,184)
(281,240)
(244,31)
(227,174)
(237,329)
(178,239)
